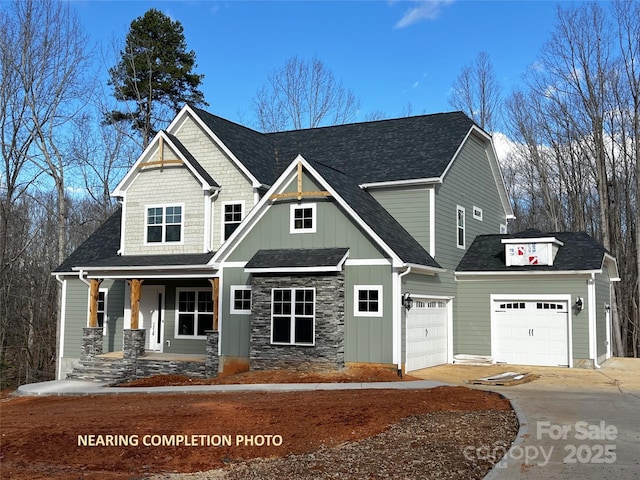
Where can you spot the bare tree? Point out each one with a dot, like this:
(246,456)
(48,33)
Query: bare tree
(477,92)
(44,85)
(303,94)
(627,14)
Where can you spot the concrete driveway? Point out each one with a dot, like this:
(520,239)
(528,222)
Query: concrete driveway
(575,423)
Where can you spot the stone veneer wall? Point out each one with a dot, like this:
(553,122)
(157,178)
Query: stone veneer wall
(328,351)
(91,342)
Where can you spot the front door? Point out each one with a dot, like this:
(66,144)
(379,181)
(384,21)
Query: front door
(152,315)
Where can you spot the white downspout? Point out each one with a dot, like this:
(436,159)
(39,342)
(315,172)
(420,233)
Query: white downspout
(396,296)
(593,316)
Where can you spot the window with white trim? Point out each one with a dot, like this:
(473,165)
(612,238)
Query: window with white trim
(241,299)
(293,316)
(460,227)
(367,300)
(477,213)
(503,228)
(303,218)
(231,217)
(164,224)
(194,314)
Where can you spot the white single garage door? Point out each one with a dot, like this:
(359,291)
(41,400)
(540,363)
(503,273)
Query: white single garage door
(426,339)
(531,332)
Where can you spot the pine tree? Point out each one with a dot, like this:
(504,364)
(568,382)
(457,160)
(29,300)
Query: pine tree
(154,76)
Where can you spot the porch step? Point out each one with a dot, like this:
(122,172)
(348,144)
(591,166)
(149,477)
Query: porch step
(109,370)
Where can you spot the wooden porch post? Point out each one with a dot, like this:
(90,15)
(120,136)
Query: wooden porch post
(135,302)
(215,285)
(94,293)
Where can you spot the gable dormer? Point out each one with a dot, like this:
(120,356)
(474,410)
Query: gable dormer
(530,251)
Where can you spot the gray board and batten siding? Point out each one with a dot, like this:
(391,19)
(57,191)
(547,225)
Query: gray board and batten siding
(472,329)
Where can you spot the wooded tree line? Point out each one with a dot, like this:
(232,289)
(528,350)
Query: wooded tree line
(575,132)
(65,143)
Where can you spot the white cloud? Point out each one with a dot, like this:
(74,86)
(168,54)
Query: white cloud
(423,9)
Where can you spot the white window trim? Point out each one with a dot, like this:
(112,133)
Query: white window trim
(293,315)
(478,215)
(232,297)
(106,298)
(223,223)
(503,228)
(146,224)
(176,333)
(314,217)
(464,228)
(356,311)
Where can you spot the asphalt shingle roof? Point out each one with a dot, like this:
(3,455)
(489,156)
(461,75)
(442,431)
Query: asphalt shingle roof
(385,150)
(102,243)
(579,252)
(345,155)
(297,257)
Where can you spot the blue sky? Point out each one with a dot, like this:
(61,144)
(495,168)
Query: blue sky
(390,53)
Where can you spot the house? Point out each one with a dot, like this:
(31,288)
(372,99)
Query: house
(306,249)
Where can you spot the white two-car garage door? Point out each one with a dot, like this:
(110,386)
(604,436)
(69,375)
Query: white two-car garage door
(427,334)
(531,332)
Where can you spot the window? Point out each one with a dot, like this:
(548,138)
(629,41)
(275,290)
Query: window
(292,316)
(460,227)
(503,228)
(102,310)
(367,301)
(195,312)
(513,305)
(241,299)
(477,213)
(231,218)
(164,224)
(303,218)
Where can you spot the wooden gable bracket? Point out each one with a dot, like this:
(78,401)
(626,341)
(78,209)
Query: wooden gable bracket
(300,194)
(161,161)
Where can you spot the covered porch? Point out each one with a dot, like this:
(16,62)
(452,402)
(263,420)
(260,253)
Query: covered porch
(169,320)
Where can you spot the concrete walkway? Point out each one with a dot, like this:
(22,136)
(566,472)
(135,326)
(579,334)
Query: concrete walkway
(574,423)
(79,387)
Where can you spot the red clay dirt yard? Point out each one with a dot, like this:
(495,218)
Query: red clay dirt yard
(385,433)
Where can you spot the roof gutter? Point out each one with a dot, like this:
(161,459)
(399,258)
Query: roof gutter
(402,183)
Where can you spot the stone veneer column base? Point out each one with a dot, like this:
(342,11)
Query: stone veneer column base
(211,364)
(133,344)
(91,342)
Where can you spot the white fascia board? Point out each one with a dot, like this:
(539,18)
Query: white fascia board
(402,183)
(331,268)
(187,109)
(526,273)
(144,268)
(135,274)
(533,240)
